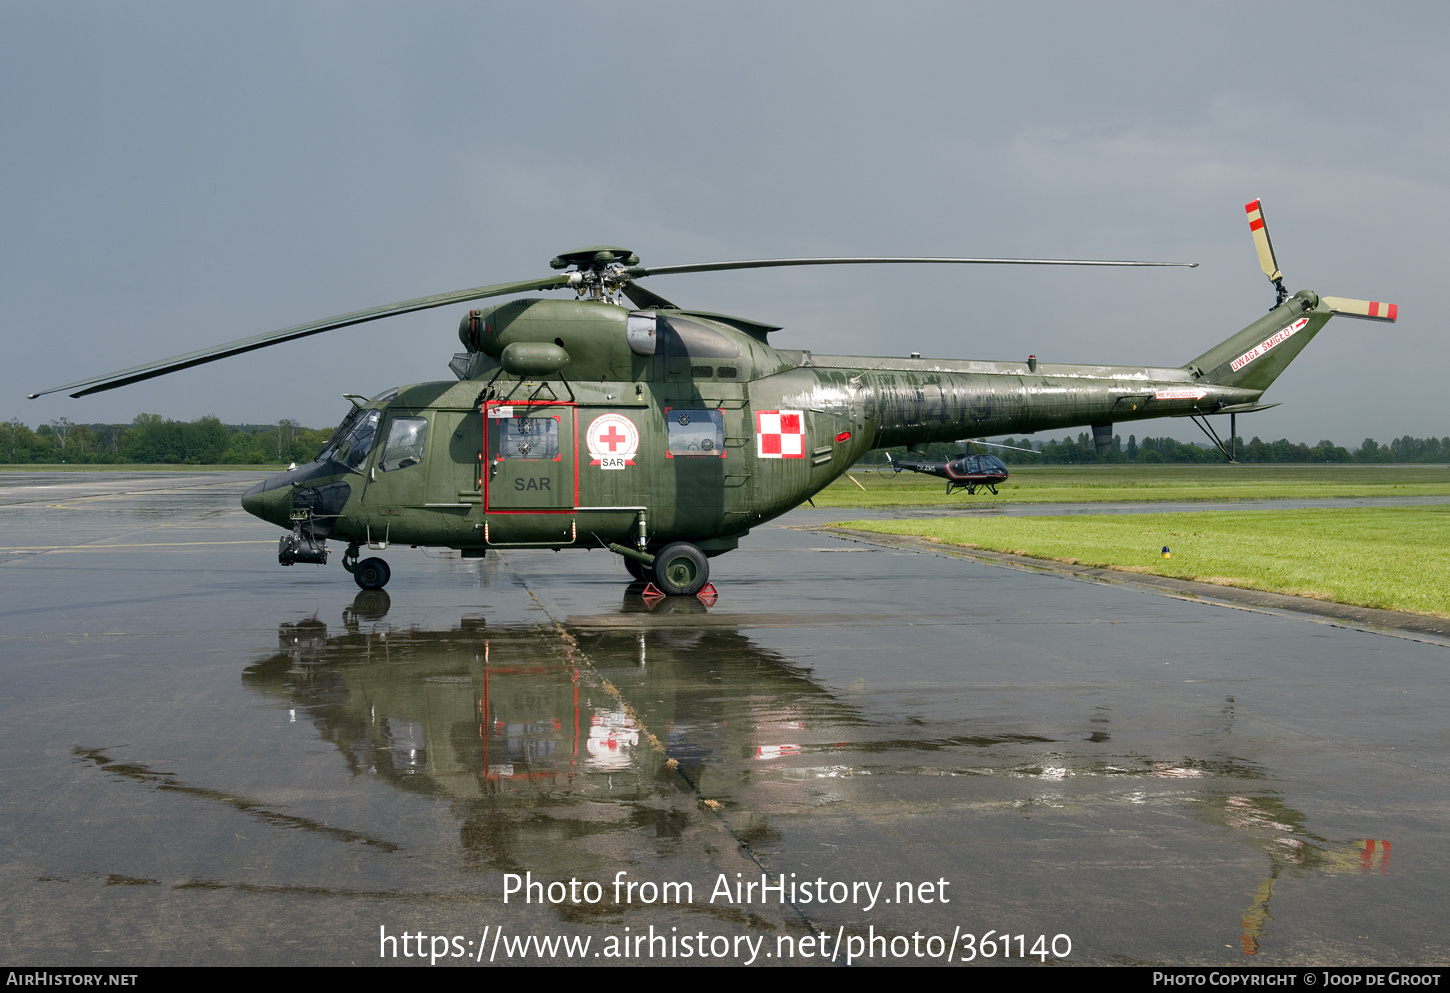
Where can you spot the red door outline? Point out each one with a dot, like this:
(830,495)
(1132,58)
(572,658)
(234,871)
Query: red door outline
(488,457)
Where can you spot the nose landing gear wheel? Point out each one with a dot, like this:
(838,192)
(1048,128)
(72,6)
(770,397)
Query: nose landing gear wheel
(637,569)
(372,574)
(681,569)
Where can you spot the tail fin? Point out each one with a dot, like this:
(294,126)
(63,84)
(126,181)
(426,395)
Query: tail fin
(1254,358)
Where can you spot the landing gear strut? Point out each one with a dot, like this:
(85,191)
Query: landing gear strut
(678,569)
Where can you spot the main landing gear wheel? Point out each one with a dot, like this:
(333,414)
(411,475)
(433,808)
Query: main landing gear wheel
(372,574)
(681,569)
(637,569)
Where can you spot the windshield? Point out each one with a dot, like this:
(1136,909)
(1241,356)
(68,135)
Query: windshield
(352,440)
(329,450)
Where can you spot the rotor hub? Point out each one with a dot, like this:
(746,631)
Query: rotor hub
(596,272)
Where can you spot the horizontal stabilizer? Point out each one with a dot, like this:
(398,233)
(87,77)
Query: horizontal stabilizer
(1244,408)
(1236,408)
(1369,310)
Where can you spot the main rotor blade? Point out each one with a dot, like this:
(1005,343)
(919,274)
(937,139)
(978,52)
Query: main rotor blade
(151,370)
(1265,247)
(993,444)
(637,272)
(1369,310)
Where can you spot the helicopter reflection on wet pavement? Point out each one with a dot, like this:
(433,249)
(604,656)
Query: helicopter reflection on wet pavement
(516,720)
(481,716)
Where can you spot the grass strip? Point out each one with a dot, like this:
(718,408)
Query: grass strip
(1394,558)
(1130,484)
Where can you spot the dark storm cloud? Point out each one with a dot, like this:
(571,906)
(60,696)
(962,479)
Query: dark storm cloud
(180,175)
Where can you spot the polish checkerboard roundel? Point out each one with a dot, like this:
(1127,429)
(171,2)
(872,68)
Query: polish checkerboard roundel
(613,441)
(780,434)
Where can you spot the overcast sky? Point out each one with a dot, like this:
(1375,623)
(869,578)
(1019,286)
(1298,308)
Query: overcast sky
(179,175)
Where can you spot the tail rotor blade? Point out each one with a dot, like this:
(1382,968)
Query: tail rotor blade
(1369,310)
(1261,241)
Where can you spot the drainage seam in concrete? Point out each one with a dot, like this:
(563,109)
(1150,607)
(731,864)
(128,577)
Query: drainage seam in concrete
(713,806)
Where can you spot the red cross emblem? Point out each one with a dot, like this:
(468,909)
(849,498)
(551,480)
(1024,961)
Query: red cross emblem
(613,438)
(613,441)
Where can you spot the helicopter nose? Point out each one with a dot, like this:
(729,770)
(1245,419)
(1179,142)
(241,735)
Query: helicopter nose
(253,500)
(271,499)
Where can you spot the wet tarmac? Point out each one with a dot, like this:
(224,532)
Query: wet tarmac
(215,760)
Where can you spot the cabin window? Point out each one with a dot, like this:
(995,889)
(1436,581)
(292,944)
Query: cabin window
(528,438)
(696,432)
(407,437)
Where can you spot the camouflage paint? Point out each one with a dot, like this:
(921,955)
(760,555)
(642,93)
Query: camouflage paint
(509,461)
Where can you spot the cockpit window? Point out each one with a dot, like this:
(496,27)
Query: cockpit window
(352,448)
(977,465)
(329,450)
(407,438)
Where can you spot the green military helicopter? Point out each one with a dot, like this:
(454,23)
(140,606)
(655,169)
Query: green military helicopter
(665,434)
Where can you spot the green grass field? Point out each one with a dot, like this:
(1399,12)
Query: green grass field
(1114,483)
(1396,558)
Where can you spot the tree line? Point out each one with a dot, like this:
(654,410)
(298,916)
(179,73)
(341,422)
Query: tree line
(1081,451)
(153,439)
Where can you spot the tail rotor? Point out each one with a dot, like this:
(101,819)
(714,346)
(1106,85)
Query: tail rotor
(1267,262)
(1369,310)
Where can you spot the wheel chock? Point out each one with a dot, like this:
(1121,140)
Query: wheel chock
(707,595)
(652,592)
